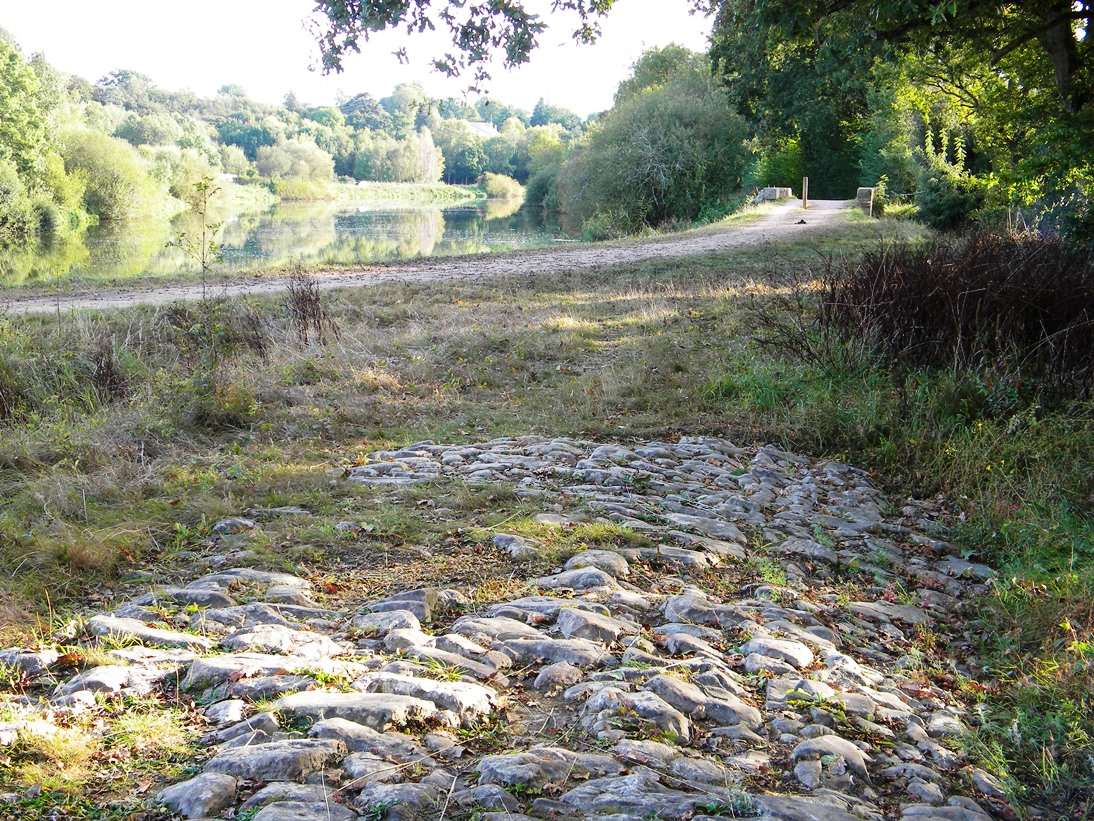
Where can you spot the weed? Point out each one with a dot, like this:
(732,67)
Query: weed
(376,810)
(436,669)
(307,313)
(739,804)
(768,570)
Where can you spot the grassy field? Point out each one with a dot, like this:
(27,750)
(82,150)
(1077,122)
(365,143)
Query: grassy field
(408,192)
(124,436)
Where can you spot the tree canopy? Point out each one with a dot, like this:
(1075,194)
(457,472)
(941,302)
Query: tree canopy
(479,30)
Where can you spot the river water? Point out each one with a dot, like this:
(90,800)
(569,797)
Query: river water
(285,236)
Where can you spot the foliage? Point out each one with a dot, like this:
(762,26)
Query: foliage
(498,186)
(779,164)
(1016,309)
(865,85)
(546,114)
(947,194)
(465,158)
(117,183)
(478,30)
(295,159)
(660,154)
(804,87)
(17,220)
(381,157)
(22,121)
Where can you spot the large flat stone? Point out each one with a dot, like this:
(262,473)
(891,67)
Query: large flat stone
(378,711)
(115,628)
(469,701)
(204,795)
(289,760)
(214,671)
(578,652)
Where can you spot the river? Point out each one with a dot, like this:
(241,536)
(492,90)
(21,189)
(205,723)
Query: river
(285,236)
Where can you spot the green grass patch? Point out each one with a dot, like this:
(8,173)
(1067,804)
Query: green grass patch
(407,192)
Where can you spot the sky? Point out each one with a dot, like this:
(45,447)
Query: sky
(263,46)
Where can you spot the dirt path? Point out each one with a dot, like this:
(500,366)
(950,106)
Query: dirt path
(781,222)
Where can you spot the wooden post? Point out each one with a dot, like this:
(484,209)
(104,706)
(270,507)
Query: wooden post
(805,192)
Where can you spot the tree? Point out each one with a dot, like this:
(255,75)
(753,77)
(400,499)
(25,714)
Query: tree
(994,29)
(362,111)
(118,184)
(232,90)
(478,29)
(1014,79)
(149,129)
(248,132)
(492,111)
(656,67)
(664,152)
(464,154)
(295,159)
(22,123)
(131,90)
(806,85)
(545,114)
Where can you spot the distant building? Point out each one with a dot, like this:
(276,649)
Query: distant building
(484,130)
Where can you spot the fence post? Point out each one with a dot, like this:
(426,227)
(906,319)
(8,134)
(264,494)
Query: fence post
(805,192)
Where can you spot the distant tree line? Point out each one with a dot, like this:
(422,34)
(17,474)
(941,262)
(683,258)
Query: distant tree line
(74,152)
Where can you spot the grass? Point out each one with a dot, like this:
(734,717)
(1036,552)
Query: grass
(407,192)
(103,761)
(121,443)
(101,479)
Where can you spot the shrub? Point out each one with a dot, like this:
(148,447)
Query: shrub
(1014,308)
(947,194)
(609,225)
(118,186)
(295,159)
(660,154)
(780,165)
(499,186)
(542,188)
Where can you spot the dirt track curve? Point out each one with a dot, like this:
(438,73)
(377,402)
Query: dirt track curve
(784,221)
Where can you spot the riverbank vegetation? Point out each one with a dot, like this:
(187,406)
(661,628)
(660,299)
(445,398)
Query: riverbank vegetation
(125,435)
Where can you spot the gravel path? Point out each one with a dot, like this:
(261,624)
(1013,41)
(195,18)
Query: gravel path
(780,223)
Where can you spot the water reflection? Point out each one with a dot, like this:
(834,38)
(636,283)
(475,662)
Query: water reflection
(287,235)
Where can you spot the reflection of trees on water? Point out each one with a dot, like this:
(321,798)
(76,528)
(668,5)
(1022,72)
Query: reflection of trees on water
(296,233)
(500,209)
(27,266)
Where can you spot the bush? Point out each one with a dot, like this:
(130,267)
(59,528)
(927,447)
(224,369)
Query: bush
(499,186)
(542,188)
(17,218)
(780,165)
(118,186)
(661,154)
(48,219)
(1014,308)
(947,194)
(295,160)
(609,225)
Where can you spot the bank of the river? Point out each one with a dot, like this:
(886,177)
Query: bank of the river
(135,443)
(257,233)
(438,194)
(773,223)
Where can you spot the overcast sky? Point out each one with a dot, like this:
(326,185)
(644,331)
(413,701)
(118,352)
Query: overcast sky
(263,46)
